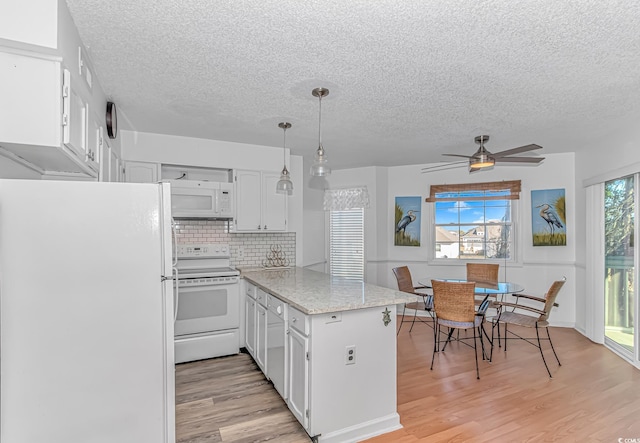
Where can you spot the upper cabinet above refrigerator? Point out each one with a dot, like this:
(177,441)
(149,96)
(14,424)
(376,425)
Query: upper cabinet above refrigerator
(46,118)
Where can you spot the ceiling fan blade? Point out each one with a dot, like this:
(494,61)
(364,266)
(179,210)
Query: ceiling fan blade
(458,155)
(445,166)
(525,148)
(519,159)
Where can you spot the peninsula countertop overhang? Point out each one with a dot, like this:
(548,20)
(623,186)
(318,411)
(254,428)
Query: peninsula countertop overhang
(317,293)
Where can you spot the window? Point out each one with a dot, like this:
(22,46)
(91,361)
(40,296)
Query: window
(346,243)
(474,220)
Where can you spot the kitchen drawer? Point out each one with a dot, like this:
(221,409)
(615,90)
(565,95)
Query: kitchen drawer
(261,297)
(277,306)
(299,321)
(250,290)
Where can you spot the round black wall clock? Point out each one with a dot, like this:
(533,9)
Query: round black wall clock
(112,120)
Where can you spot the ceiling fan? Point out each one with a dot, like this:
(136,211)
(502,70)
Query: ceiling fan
(483,159)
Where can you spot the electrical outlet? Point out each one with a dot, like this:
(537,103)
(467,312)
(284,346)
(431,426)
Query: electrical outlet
(350,355)
(240,253)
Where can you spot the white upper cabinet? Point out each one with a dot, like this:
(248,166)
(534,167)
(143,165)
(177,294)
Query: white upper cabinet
(32,100)
(141,172)
(258,207)
(45,118)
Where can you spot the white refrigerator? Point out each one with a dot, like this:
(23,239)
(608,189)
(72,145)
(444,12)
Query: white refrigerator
(86,313)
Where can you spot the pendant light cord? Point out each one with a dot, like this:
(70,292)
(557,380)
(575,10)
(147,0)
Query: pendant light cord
(284,148)
(320,124)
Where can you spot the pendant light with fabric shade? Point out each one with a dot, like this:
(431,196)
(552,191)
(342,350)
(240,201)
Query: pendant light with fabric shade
(284,185)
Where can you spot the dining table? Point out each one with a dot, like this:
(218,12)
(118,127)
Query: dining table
(484,290)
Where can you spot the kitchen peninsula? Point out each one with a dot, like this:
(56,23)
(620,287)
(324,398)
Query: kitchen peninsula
(336,339)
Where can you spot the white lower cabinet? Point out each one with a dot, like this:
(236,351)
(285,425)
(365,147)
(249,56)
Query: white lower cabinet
(298,383)
(250,325)
(261,330)
(339,378)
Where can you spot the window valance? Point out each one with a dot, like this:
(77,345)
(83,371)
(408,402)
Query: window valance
(344,199)
(475,191)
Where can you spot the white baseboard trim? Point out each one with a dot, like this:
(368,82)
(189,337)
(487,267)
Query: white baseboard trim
(363,431)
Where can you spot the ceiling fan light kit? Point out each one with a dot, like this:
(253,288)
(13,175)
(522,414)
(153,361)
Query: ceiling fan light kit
(320,166)
(284,185)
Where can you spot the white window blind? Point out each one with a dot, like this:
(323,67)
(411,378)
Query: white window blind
(346,243)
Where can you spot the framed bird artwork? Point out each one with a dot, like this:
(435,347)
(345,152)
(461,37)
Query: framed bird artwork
(407,221)
(548,217)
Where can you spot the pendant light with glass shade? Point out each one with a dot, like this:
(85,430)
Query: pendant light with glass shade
(284,185)
(320,166)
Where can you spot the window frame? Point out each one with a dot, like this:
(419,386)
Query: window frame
(329,255)
(515,188)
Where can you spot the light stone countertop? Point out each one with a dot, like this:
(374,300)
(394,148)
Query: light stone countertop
(316,293)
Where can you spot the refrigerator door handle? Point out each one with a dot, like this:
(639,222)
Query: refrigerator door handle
(176,291)
(174,237)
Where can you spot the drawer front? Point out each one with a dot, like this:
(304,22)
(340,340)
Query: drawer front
(277,306)
(299,321)
(261,297)
(250,290)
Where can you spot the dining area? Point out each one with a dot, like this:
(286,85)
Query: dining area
(477,311)
(593,396)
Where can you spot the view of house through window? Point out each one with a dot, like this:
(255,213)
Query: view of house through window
(346,243)
(473,223)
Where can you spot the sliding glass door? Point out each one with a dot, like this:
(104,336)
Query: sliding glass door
(620,294)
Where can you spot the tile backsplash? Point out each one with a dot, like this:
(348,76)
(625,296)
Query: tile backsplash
(247,250)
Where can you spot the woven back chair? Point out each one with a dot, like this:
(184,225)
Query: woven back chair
(454,305)
(424,301)
(483,272)
(539,319)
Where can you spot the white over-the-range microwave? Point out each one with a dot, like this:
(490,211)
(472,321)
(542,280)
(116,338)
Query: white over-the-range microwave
(201,199)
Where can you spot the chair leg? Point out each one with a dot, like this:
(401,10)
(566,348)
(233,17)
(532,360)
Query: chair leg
(475,349)
(542,353)
(492,328)
(505,337)
(448,338)
(552,348)
(481,330)
(415,314)
(436,330)
(404,308)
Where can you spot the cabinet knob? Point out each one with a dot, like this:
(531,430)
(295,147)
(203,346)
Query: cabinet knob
(265,226)
(294,320)
(259,227)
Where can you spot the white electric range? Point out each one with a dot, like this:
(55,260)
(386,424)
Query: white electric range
(207,316)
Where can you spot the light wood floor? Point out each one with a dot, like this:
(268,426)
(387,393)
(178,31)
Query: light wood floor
(593,396)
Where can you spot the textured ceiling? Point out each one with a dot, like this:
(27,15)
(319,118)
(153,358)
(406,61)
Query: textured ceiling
(408,80)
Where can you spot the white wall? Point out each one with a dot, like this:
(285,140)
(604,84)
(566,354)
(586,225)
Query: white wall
(615,154)
(537,266)
(373,219)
